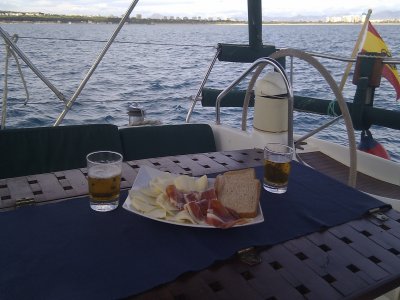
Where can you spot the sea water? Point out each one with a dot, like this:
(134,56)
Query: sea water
(160,67)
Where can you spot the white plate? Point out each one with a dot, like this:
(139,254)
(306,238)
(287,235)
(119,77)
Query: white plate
(143,177)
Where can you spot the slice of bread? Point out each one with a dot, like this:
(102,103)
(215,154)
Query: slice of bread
(243,174)
(240,191)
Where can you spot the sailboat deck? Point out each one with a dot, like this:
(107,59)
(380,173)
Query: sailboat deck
(327,165)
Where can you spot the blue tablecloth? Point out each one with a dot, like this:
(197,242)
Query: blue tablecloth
(67,251)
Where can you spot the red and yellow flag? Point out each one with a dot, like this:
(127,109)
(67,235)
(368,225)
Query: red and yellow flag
(374,43)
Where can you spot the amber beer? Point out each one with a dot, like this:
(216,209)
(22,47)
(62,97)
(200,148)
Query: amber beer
(104,179)
(276,173)
(277,158)
(104,183)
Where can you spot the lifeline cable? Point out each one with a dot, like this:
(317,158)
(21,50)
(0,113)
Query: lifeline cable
(118,42)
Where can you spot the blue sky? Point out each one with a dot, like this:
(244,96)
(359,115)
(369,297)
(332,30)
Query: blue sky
(203,8)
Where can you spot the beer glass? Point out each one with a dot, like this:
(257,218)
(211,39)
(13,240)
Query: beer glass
(277,159)
(104,178)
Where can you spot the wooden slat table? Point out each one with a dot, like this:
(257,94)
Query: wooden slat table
(356,260)
(44,188)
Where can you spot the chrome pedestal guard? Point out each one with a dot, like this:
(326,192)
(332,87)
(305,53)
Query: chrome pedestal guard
(260,64)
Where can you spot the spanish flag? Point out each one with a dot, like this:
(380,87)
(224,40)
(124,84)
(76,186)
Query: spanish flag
(374,43)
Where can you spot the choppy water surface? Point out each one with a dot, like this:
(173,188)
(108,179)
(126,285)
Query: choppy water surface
(160,67)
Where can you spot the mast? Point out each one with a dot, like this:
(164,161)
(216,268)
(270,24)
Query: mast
(254,12)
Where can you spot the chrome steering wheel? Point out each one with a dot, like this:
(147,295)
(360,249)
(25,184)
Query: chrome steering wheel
(339,98)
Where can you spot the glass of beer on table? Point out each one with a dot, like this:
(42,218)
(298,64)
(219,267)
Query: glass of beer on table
(277,158)
(104,178)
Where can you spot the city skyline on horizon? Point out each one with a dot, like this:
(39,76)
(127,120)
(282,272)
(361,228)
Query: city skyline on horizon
(224,9)
(388,17)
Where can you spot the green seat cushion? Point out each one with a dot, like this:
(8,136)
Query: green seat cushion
(28,151)
(165,140)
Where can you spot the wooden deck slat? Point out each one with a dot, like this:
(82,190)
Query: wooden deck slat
(382,237)
(368,271)
(208,163)
(340,172)
(51,187)
(230,283)
(191,167)
(136,164)
(364,245)
(329,266)
(307,279)
(247,157)
(270,283)
(37,190)
(19,189)
(167,164)
(128,176)
(224,160)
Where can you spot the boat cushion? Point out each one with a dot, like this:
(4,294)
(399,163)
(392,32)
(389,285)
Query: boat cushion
(155,141)
(28,151)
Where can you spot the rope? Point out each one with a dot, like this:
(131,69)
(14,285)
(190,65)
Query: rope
(331,109)
(9,53)
(87,101)
(21,76)
(4,105)
(117,42)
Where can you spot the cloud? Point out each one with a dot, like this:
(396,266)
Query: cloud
(193,8)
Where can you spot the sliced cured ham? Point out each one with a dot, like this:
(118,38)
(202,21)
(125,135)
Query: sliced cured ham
(204,207)
(209,194)
(194,210)
(192,197)
(175,196)
(219,216)
(198,207)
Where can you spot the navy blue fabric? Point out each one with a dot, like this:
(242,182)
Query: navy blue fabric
(67,251)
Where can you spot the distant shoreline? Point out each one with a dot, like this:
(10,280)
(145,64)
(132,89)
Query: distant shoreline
(312,24)
(21,17)
(2,21)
